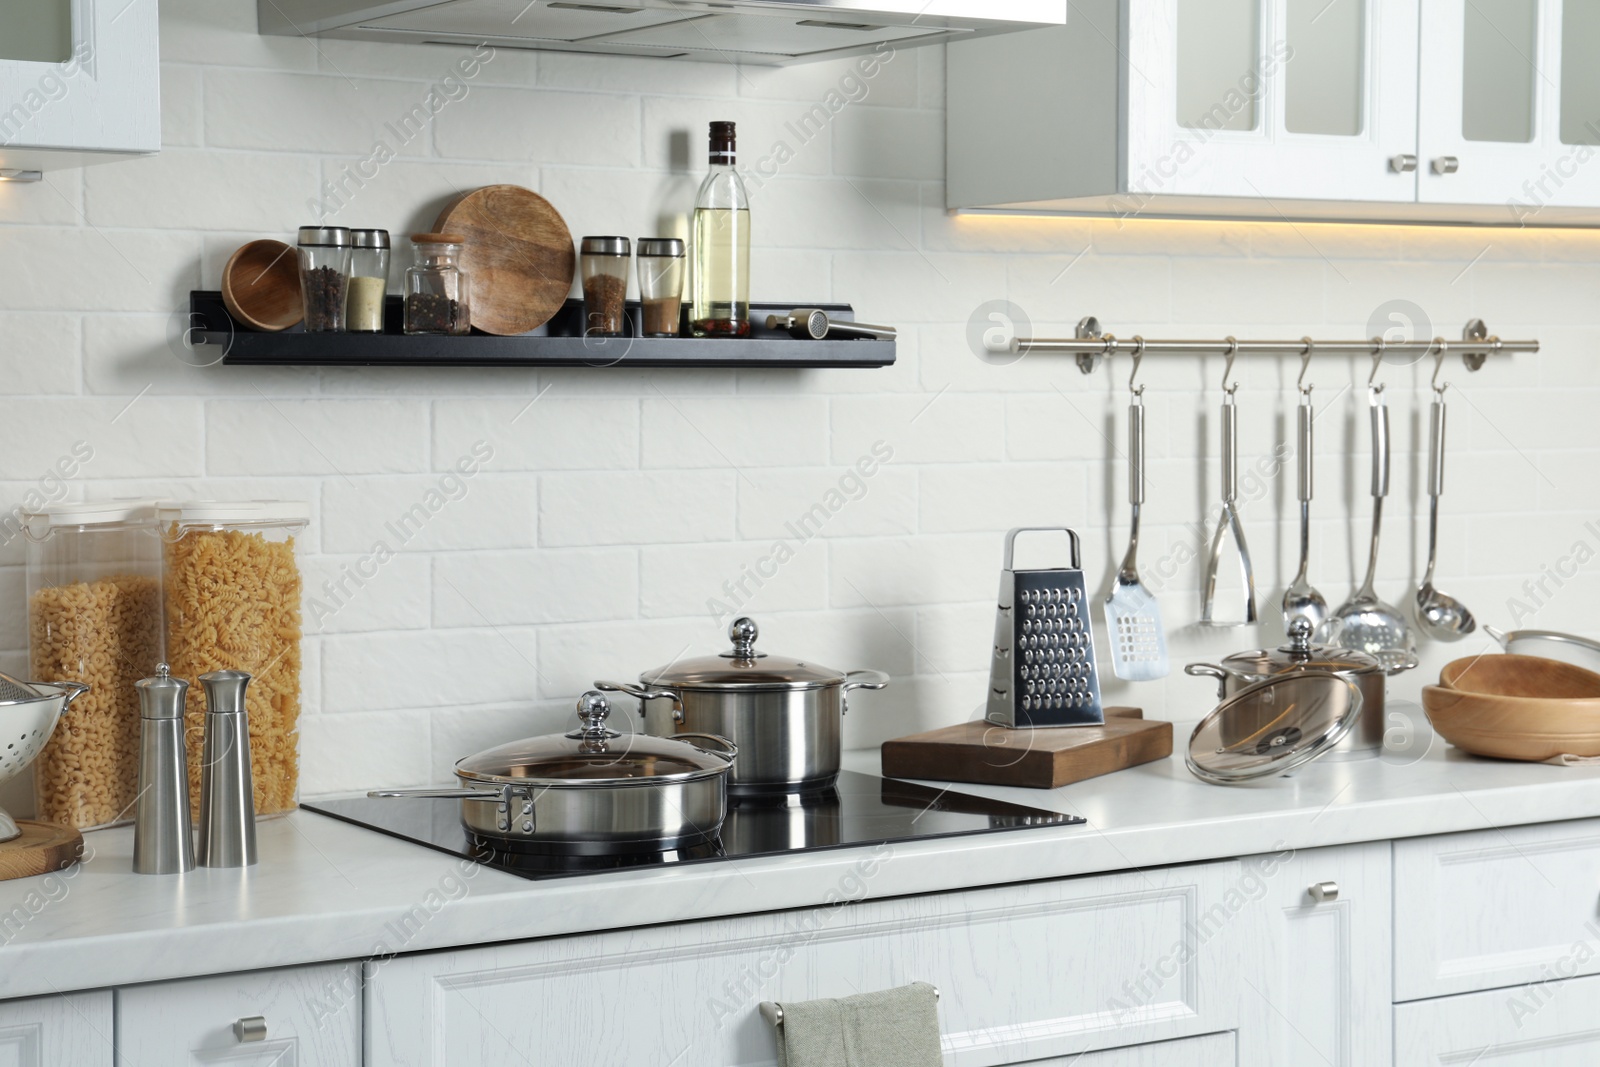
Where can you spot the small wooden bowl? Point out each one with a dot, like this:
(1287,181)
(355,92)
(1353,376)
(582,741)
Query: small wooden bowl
(261,286)
(1521,676)
(1519,728)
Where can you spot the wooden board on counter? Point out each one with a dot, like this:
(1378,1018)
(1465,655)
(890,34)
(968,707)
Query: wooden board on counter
(1039,759)
(42,848)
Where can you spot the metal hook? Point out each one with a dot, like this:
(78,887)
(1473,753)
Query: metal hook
(1227,370)
(1441,348)
(1305,365)
(1379,345)
(1138,357)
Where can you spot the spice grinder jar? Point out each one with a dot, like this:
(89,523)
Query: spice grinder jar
(324,276)
(369,280)
(661,271)
(437,291)
(605,286)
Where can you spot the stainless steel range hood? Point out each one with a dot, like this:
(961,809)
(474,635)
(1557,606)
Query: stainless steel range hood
(767,32)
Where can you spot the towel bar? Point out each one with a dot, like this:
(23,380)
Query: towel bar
(773,1013)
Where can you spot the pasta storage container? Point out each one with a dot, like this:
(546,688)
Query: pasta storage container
(94,617)
(231,583)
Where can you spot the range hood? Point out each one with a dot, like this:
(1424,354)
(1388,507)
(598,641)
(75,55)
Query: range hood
(765,32)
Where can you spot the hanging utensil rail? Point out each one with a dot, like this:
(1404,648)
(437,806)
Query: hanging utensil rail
(1091,345)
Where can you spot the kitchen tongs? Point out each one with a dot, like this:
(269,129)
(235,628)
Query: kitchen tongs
(1228,519)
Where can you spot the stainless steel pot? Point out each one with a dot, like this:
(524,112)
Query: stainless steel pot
(594,787)
(1243,669)
(786,715)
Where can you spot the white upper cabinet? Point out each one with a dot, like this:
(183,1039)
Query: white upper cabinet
(80,82)
(1404,110)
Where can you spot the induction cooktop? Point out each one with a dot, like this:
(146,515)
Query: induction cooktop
(858,810)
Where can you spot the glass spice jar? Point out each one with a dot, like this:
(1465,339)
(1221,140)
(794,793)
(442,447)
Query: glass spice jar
(324,276)
(369,280)
(661,270)
(437,290)
(605,286)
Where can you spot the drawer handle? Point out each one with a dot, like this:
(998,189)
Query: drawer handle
(1324,892)
(250,1029)
(1446,165)
(1403,164)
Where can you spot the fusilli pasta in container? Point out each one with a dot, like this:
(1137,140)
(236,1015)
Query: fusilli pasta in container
(231,584)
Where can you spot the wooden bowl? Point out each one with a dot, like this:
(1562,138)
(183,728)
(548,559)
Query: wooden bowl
(1519,728)
(261,286)
(1521,676)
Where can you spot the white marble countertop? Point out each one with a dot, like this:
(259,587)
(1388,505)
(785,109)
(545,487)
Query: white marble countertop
(325,890)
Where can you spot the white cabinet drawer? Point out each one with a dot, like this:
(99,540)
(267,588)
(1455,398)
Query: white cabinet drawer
(1213,1050)
(312,1014)
(1552,1025)
(55,1031)
(1496,908)
(1026,972)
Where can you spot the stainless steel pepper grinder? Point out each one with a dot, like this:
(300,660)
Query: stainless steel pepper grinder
(227,800)
(163,835)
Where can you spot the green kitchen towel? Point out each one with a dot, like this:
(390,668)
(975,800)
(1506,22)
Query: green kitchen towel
(894,1028)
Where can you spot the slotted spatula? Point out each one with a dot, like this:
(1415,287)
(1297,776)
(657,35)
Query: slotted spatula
(1133,618)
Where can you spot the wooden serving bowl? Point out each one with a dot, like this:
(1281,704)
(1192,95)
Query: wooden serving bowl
(1521,676)
(1509,727)
(261,286)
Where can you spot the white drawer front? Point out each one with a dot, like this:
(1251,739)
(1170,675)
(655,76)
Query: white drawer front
(55,1031)
(1213,1050)
(313,1018)
(1496,908)
(1551,1025)
(1026,972)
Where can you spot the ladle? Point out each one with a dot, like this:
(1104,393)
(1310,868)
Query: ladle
(1439,615)
(1301,599)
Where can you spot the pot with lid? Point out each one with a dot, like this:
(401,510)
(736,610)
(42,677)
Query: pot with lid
(593,789)
(1243,669)
(786,715)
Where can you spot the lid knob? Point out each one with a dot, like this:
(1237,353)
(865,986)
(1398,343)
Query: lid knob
(743,634)
(1300,637)
(163,696)
(594,709)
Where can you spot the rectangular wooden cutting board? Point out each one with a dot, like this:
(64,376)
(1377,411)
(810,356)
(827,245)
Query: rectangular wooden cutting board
(1039,759)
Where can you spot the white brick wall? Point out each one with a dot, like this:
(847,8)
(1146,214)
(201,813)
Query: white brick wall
(618,503)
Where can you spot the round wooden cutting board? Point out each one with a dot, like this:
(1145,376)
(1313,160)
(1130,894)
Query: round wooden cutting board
(42,848)
(519,253)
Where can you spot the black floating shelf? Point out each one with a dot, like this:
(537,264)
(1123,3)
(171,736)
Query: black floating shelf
(561,344)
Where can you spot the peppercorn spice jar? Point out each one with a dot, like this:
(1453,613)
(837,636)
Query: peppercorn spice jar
(437,290)
(324,276)
(94,618)
(605,285)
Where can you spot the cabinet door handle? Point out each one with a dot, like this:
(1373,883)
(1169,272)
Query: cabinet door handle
(1324,892)
(1403,164)
(1446,165)
(250,1029)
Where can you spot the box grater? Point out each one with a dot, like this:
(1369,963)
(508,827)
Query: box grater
(1043,671)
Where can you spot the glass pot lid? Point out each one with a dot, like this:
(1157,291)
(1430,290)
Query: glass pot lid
(594,754)
(742,667)
(1273,726)
(1301,655)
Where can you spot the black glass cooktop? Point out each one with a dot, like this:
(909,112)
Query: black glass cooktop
(859,810)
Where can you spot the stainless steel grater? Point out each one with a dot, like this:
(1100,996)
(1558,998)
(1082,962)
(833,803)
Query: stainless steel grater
(1043,670)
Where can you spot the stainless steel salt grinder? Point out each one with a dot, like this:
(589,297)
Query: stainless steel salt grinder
(227,802)
(163,836)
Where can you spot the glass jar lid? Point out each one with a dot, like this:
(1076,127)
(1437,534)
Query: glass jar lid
(1273,726)
(667,247)
(742,667)
(39,523)
(215,513)
(324,237)
(369,238)
(605,246)
(593,754)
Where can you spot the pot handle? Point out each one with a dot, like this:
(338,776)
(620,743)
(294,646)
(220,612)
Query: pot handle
(74,691)
(724,748)
(445,793)
(645,692)
(1502,638)
(859,680)
(1210,670)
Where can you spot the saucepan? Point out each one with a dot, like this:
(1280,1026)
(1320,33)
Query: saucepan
(1578,651)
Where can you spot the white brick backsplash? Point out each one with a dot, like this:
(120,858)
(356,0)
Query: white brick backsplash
(418,512)
(46,268)
(894,83)
(1280,291)
(346,753)
(741,578)
(357,593)
(910,286)
(761,126)
(129,436)
(180,106)
(846,641)
(57,200)
(590,128)
(328,437)
(930,569)
(428,669)
(538,432)
(875,142)
(616,508)
(232,191)
(920,429)
(39,354)
(736,432)
(462,732)
(317,113)
(429,62)
(794,211)
(957,637)
(572,658)
(1000,496)
(125,354)
(404,196)
(543,586)
(783,503)
(14,624)
(674,77)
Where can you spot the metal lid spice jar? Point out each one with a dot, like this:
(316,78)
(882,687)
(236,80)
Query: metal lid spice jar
(605,286)
(437,290)
(324,276)
(369,280)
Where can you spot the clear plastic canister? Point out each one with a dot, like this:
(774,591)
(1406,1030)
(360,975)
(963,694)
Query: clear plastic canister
(94,616)
(231,584)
